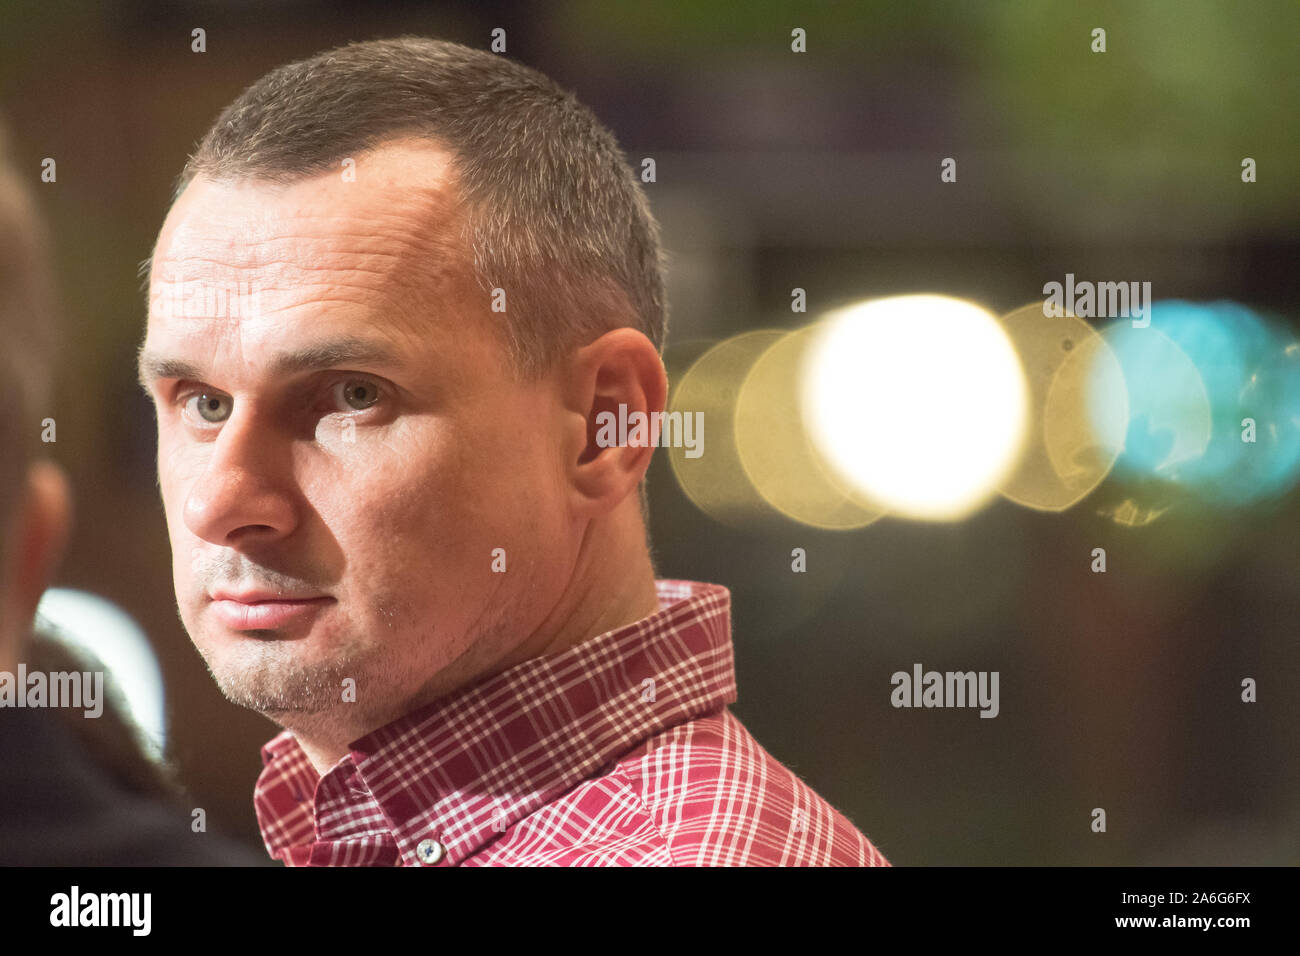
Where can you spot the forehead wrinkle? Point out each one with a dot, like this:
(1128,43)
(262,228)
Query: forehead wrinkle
(391,252)
(400,237)
(253,252)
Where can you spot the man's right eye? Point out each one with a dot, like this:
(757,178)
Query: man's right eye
(211,408)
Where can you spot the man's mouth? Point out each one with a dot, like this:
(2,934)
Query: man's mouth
(262,610)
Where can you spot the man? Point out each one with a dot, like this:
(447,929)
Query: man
(399,282)
(68,796)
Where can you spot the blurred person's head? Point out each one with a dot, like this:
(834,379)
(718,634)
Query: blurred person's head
(34,499)
(352,421)
(34,502)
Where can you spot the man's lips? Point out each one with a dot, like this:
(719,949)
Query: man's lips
(259,610)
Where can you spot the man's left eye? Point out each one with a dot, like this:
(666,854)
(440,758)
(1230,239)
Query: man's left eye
(356,394)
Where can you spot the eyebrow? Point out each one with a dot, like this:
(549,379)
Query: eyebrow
(322,355)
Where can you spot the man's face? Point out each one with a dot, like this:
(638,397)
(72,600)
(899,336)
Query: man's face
(339,430)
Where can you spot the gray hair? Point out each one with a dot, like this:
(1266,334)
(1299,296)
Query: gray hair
(555,216)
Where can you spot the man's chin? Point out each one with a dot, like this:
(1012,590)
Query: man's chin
(273,693)
(264,673)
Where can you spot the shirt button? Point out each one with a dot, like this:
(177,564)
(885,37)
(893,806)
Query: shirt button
(430,852)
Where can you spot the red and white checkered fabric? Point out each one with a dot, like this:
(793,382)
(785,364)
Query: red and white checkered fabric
(619,751)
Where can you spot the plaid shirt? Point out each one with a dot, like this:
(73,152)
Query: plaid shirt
(618,751)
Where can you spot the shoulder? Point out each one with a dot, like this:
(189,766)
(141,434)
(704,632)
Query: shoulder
(717,798)
(61,809)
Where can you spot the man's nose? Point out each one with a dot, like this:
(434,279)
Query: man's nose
(245,492)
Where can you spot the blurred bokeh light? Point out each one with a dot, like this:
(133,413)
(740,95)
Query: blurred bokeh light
(114,639)
(919,403)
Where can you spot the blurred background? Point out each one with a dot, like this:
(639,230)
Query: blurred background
(820,171)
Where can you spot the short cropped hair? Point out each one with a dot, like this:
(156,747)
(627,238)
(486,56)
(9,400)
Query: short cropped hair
(555,215)
(27,315)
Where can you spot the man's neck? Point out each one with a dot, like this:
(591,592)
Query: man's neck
(613,585)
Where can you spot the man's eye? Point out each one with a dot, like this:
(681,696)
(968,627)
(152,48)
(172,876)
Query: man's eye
(211,408)
(356,394)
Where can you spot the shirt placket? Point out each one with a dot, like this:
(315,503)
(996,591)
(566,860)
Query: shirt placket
(342,797)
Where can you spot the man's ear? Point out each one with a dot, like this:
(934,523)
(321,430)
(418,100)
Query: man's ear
(38,534)
(614,384)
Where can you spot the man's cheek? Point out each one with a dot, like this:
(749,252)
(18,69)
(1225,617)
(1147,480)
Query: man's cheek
(178,468)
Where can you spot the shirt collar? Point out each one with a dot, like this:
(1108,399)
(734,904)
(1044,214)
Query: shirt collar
(464,768)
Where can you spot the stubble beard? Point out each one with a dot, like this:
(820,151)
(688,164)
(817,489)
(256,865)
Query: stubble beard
(267,674)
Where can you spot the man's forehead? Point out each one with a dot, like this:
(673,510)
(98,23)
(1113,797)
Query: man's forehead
(394,201)
(388,240)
